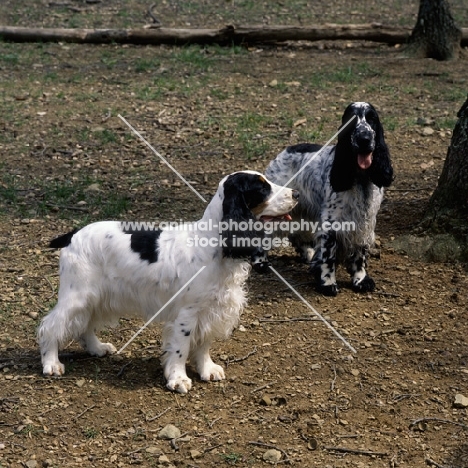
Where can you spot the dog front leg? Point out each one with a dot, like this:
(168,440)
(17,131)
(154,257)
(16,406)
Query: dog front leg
(207,369)
(361,281)
(176,349)
(324,268)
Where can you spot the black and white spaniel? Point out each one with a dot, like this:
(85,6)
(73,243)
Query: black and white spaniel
(341,190)
(108,271)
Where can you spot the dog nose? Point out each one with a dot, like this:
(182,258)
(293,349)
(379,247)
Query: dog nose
(295,194)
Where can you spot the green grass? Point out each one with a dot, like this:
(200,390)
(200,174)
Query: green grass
(70,198)
(231,458)
(144,65)
(348,75)
(249,128)
(90,432)
(195,56)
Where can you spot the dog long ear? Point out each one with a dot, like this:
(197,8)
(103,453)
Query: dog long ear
(381,170)
(238,240)
(343,171)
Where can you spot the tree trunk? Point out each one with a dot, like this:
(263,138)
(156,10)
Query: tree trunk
(435,34)
(448,206)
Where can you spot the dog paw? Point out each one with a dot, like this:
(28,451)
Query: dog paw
(367,284)
(212,372)
(328,290)
(180,384)
(102,349)
(56,368)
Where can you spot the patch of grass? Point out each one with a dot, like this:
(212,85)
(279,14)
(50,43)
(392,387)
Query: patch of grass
(106,136)
(90,432)
(348,75)
(231,458)
(70,198)
(10,58)
(389,123)
(8,188)
(249,128)
(448,123)
(144,65)
(195,56)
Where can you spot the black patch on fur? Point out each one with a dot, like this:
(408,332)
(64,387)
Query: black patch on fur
(304,148)
(187,333)
(62,241)
(145,243)
(242,193)
(345,171)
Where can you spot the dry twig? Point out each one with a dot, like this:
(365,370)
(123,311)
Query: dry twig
(83,412)
(158,415)
(356,451)
(444,421)
(429,461)
(230,361)
(263,386)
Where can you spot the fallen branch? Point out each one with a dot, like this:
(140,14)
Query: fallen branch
(356,451)
(293,319)
(263,386)
(83,412)
(227,35)
(158,415)
(231,361)
(429,461)
(443,421)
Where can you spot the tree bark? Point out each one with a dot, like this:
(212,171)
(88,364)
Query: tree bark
(435,34)
(448,207)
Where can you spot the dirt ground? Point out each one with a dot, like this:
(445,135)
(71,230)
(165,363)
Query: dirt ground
(67,160)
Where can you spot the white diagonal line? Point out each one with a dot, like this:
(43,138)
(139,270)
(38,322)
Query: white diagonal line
(312,309)
(138,134)
(161,309)
(314,156)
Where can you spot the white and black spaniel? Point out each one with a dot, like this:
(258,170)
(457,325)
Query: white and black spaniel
(108,271)
(341,190)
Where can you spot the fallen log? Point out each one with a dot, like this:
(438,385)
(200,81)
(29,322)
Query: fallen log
(228,35)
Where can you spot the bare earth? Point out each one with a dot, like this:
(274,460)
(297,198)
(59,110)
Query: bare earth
(67,160)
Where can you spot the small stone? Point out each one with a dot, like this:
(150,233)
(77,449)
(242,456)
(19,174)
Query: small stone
(428,131)
(194,454)
(80,383)
(33,315)
(272,456)
(153,450)
(31,464)
(273,83)
(242,328)
(265,401)
(169,432)
(47,462)
(461,401)
(354,372)
(164,460)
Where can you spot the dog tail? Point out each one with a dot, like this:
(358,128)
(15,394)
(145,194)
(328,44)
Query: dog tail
(62,241)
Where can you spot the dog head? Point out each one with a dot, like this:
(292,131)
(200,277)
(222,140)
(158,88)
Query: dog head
(361,151)
(249,200)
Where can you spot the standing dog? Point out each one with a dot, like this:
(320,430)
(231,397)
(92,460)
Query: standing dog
(108,271)
(339,184)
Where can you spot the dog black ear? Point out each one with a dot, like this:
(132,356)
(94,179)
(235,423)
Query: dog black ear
(240,239)
(343,171)
(381,170)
